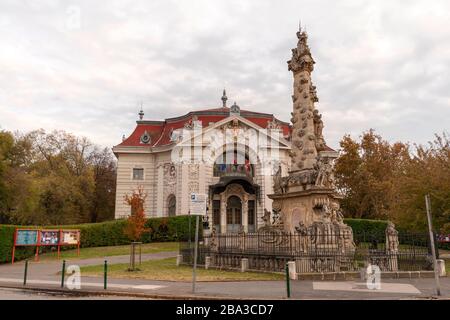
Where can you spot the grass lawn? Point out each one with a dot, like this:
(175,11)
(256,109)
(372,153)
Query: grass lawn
(98,252)
(166,269)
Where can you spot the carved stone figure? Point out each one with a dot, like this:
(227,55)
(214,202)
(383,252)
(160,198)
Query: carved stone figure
(327,213)
(276,217)
(277,179)
(172,172)
(301,228)
(313,93)
(266,217)
(302,231)
(193,187)
(391,238)
(301,56)
(194,170)
(336,215)
(325,176)
(318,130)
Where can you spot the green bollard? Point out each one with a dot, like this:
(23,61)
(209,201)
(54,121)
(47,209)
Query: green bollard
(105,275)
(25,273)
(288,284)
(63,273)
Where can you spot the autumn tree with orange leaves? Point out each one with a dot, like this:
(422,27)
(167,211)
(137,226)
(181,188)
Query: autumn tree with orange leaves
(383,180)
(135,227)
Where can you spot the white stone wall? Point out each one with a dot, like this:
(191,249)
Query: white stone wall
(126,184)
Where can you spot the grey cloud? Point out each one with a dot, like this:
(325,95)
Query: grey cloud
(382,65)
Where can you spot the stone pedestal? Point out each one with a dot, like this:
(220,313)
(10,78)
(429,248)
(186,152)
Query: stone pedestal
(306,207)
(292,270)
(207,262)
(244,264)
(441,267)
(179,259)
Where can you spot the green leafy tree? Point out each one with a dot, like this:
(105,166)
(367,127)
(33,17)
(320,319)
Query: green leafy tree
(54,178)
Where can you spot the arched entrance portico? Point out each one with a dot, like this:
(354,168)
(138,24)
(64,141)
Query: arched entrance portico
(233,197)
(234,207)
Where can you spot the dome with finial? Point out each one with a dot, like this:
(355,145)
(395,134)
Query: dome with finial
(235,109)
(141,114)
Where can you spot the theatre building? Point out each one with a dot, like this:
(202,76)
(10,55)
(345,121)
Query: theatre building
(227,153)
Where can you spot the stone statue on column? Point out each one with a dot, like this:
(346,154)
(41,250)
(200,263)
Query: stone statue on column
(391,238)
(392,244)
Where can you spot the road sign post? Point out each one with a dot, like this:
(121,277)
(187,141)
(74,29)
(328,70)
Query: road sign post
(63,273)
(433,248)
(288,284)
(25,273)
(194,268)
(189,228)
(105,274)
(197,207)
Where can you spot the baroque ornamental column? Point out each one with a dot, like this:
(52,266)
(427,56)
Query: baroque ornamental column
(223,213)
(307,195)
(306,121)
(245,212)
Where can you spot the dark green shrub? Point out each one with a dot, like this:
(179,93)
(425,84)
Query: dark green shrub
(171,229)
(367,226)
(6,245)
(367,231)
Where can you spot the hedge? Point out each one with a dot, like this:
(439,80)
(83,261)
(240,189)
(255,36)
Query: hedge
(110,233)
(6,244)
(171,229)
(367,226)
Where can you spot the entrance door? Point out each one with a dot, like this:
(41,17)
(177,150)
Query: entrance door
(234,214)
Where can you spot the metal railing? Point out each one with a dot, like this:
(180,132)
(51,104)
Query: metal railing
(314,252)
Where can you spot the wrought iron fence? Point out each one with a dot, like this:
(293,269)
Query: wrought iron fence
(314,252)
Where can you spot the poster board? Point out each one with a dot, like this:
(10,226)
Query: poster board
(26,237)
(70,237)
(198,204)
(49,238)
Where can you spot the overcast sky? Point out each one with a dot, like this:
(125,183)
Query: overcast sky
(84,68)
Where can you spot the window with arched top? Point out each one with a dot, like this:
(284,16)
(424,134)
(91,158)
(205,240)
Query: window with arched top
(171,206)
(234,214)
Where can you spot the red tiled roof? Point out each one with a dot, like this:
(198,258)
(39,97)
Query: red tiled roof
(160,131)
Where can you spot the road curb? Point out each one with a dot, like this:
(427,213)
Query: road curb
(89,292)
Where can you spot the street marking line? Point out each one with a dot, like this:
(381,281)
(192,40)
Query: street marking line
(148,287)
(361,287)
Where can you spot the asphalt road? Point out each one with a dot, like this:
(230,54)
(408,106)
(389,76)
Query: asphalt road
(17,294)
